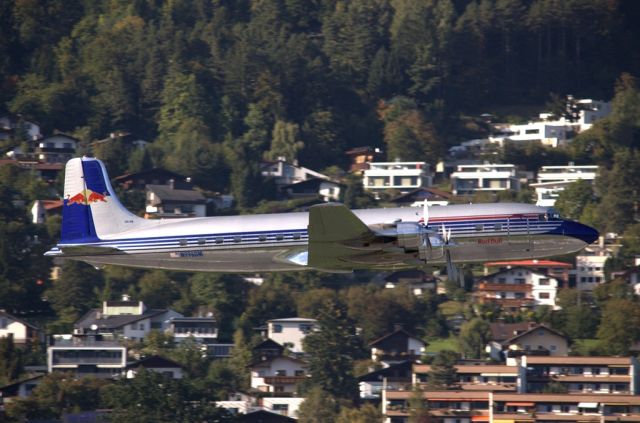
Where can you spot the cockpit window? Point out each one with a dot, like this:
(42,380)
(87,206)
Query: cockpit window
(552,214)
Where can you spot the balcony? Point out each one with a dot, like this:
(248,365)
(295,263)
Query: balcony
(283,380)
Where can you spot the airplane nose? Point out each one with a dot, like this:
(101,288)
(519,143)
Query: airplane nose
(580,231)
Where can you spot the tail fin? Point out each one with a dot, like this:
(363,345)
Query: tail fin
(91,209)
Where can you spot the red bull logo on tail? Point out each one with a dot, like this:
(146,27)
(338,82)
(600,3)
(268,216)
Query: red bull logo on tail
(86,197)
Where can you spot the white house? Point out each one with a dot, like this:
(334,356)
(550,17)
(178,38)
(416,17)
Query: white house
(590,268)
(86,356)
(396,347)
(9,123)
(157,364)
(469,179)
(124,320)
(20,330)
(240,403)
(291,331)
(284,173)
(402,176)
(552,180)
(174,200)
(517,288)
(203,330)
(278,374)
(57,148)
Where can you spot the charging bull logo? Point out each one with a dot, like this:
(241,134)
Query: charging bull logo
(86,197)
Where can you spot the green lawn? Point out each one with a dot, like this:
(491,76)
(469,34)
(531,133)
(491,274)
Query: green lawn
(451,308)
(440,344)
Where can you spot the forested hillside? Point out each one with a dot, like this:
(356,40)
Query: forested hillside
(219,84)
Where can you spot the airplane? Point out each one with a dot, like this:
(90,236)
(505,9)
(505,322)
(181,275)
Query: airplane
(99,230)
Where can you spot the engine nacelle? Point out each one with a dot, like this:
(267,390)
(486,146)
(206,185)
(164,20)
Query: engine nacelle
(411,235)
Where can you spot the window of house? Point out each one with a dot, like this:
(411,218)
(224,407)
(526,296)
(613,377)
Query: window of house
(519,295)
(281,372)
(552,347)
(305,328)
(278,388)
(277,328)
(532,131)
(502,280)
(299,372)
(4,323)
(141,326)
(520,281)
(544,281)
(544,296)
(280,407)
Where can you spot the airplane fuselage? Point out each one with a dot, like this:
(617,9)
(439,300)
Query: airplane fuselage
(279,242)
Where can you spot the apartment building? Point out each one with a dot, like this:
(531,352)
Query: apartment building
(517,288)
(278,374)
(552,180)
(555,269)
(401,176)
(470,179)
(500,407)
(86,356)
(475,377)
(592,375)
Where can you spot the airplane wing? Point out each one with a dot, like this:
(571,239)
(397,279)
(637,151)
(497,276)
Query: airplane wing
(337,237)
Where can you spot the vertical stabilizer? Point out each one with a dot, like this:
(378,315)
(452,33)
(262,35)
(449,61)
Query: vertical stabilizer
(91,209)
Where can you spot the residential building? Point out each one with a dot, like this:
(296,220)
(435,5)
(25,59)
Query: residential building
(590,267)
(553,134)
(86,356)
(120,320)
(58,148)
(291,331)
(554,269)
(203,330)
(512,340)
(552,180)
(155,363)
(401,176)
(278,374)
(326,189)
(20,330)
(475,377)
(174,200)
(155,176)
(470,179)
(264,416)
(127,139)
(415,280)
(12,125)
(397,346)
(19,389)
(284,173)
(592,375)
(267,349)
(395,377)
(361,157)
(517,288)
(442,406)
(42,209)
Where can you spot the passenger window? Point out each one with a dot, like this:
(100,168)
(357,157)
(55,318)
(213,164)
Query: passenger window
(201,241)
(237,239)
(262,238)
(279,237)
(479,228)
(296,236)
(183,242)
(497,227)
(219,240)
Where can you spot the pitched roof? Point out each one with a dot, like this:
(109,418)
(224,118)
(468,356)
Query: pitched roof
(96,317)
(503,331)
(398,331)
(424,193)
(268,344)
(538,327)
(391,371)
(264,416)
(17,319)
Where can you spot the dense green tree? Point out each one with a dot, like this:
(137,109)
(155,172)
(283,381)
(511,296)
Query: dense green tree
(153,397)
(11,361)
(319,406)
(573,200)
(367,413)
(443,374)
(474,337)
(157,290)
(620,326)
(334,347)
